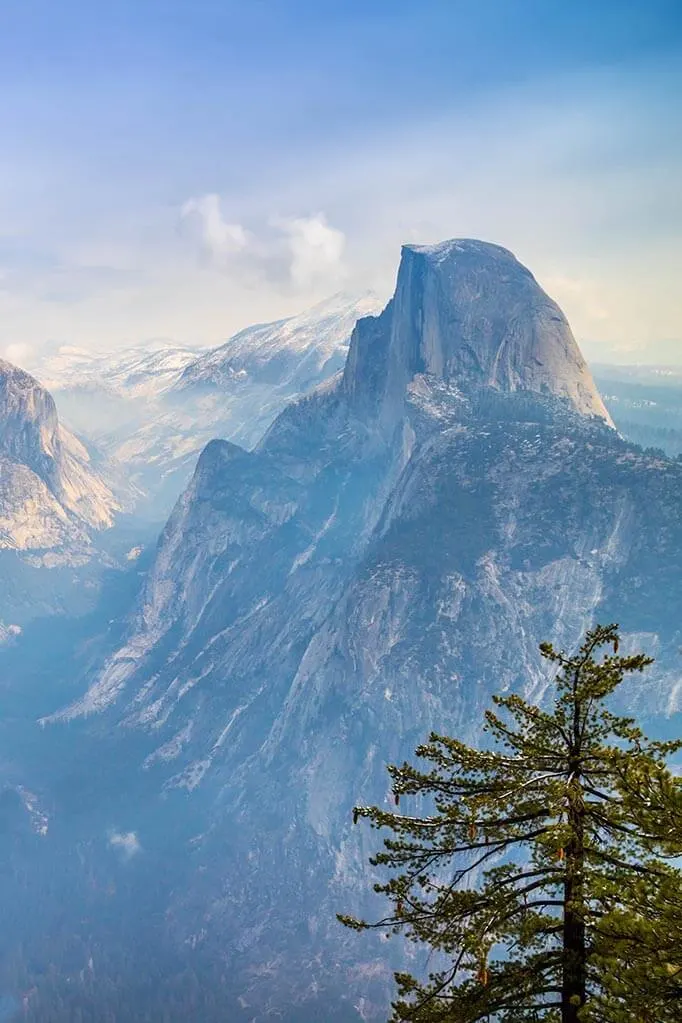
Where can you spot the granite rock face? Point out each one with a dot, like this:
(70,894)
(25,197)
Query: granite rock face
(52,498)
(386,559)
(468,314)
(49,484)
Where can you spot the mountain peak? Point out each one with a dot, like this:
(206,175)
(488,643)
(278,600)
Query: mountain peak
(469,314)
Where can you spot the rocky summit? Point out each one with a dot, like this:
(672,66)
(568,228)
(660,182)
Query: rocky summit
(469,315)
(382,563)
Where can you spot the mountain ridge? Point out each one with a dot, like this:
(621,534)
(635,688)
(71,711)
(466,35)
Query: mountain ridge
(155,410)
(303,346)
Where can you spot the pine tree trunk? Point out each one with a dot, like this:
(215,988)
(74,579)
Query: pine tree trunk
(574,986)
(574,983)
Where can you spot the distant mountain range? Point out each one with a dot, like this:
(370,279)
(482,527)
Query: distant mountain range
(154,408)
(646,403)
(143,371)
(293,354)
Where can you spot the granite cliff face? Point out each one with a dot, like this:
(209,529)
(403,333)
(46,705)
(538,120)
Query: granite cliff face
(385,560)
(52,498)
(469,315)
(46,471)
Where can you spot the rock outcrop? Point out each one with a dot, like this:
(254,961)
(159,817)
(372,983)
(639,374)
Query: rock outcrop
(53,504)
(49,492)
(469,315)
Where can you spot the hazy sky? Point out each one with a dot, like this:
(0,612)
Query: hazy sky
(181,168)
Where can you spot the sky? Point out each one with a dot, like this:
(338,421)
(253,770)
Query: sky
(182,168)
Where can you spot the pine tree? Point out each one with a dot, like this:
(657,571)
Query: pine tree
(544,877)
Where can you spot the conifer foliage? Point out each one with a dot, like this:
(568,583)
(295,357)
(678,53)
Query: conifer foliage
(544,878)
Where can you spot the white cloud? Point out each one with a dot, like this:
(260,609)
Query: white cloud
(126,842)
(217,236)
(301,251)
(316,249)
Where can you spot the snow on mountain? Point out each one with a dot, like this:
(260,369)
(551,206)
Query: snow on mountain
(153,410)
(142,371)
(387,558)
(295,353)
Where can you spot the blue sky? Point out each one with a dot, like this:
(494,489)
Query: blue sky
(180,168)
